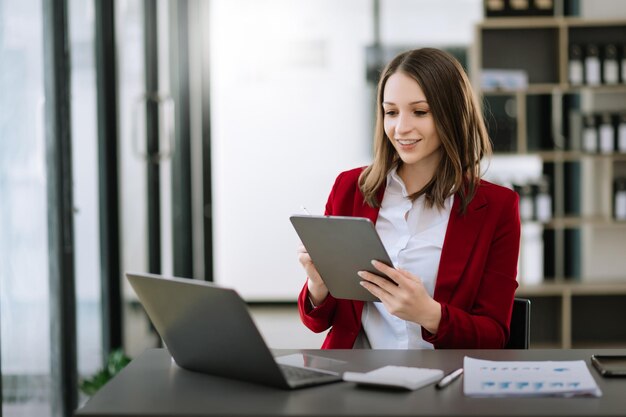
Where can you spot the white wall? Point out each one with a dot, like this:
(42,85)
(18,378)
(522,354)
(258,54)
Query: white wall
(290,110)
(429,23)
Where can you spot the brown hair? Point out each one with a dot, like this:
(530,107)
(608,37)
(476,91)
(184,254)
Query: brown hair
(458,122)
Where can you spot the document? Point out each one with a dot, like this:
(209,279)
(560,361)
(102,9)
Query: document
(528,379)
(405,377)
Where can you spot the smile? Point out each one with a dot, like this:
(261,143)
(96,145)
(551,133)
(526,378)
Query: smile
(407,142)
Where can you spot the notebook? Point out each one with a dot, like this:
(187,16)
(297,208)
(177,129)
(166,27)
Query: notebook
(208,329)
(403,377)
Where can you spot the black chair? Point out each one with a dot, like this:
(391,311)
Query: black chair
(520,325)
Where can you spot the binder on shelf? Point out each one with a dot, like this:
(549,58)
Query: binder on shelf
(590,134)
(571,122)
(543,201)
(539,129)
(531,254)
(623,66)
(606,134)
(526,206)
(501,122)
(619,211)
(575,130)
(573,242)
(610,65)
(575,64)
(572,194)
(621,133)
(592,64)
(549,260)
(571,8)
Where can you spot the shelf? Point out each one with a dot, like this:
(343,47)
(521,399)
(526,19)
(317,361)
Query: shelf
(539,46)
(569,155)
(545,88)
(553,88)
(602,88)
(544,345)
(533,22)
(581,22)
(577,155)
(575,222)
(572,288)
(545,120)
(585,344)
(567,314)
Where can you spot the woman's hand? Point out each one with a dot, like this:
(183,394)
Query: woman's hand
(317,288)
(407,300)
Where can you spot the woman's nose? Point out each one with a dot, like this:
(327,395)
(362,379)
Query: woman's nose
(404,124)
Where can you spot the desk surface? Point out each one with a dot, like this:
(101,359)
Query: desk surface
(152,385)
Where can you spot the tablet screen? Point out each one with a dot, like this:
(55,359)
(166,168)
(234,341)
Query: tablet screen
(340,247)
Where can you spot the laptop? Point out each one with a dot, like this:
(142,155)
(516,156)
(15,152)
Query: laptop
(208,329)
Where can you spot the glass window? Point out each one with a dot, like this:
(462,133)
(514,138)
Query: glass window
(86,200)
(129,24)
(23,219)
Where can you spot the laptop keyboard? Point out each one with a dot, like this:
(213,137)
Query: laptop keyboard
(293,373)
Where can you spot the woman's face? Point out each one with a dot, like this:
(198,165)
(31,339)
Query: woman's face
(409,124)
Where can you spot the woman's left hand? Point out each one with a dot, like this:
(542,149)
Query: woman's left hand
(407,300)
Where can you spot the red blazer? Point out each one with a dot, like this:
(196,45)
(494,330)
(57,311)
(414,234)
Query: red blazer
(476,281)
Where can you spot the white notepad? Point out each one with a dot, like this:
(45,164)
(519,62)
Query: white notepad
(405,377)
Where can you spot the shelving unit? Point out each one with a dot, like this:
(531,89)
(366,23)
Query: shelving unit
(567,314)
(584,288)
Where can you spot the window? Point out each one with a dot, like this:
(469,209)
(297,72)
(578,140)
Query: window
(23,220)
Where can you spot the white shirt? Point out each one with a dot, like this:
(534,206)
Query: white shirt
(413,236)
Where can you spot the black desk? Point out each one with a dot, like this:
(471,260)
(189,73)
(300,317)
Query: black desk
(151,385)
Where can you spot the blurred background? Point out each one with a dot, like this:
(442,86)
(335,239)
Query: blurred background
(177,137)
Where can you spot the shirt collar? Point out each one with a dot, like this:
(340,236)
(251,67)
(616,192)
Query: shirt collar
(395,183)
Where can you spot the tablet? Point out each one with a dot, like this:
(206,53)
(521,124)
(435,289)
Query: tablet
(340,247)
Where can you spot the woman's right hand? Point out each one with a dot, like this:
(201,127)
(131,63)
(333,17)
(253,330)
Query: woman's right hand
(317,288)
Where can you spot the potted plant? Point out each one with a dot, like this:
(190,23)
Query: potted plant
(116,361)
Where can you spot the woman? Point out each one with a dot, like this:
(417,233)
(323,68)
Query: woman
(453,238)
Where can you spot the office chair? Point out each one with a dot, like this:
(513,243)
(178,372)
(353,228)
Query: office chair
(520,325)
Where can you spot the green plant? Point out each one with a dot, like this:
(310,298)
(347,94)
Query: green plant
(116,361)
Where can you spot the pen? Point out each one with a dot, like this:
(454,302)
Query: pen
(448,379)
(305,210)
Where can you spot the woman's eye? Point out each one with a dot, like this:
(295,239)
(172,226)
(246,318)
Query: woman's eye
(420,113)
(390,113)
